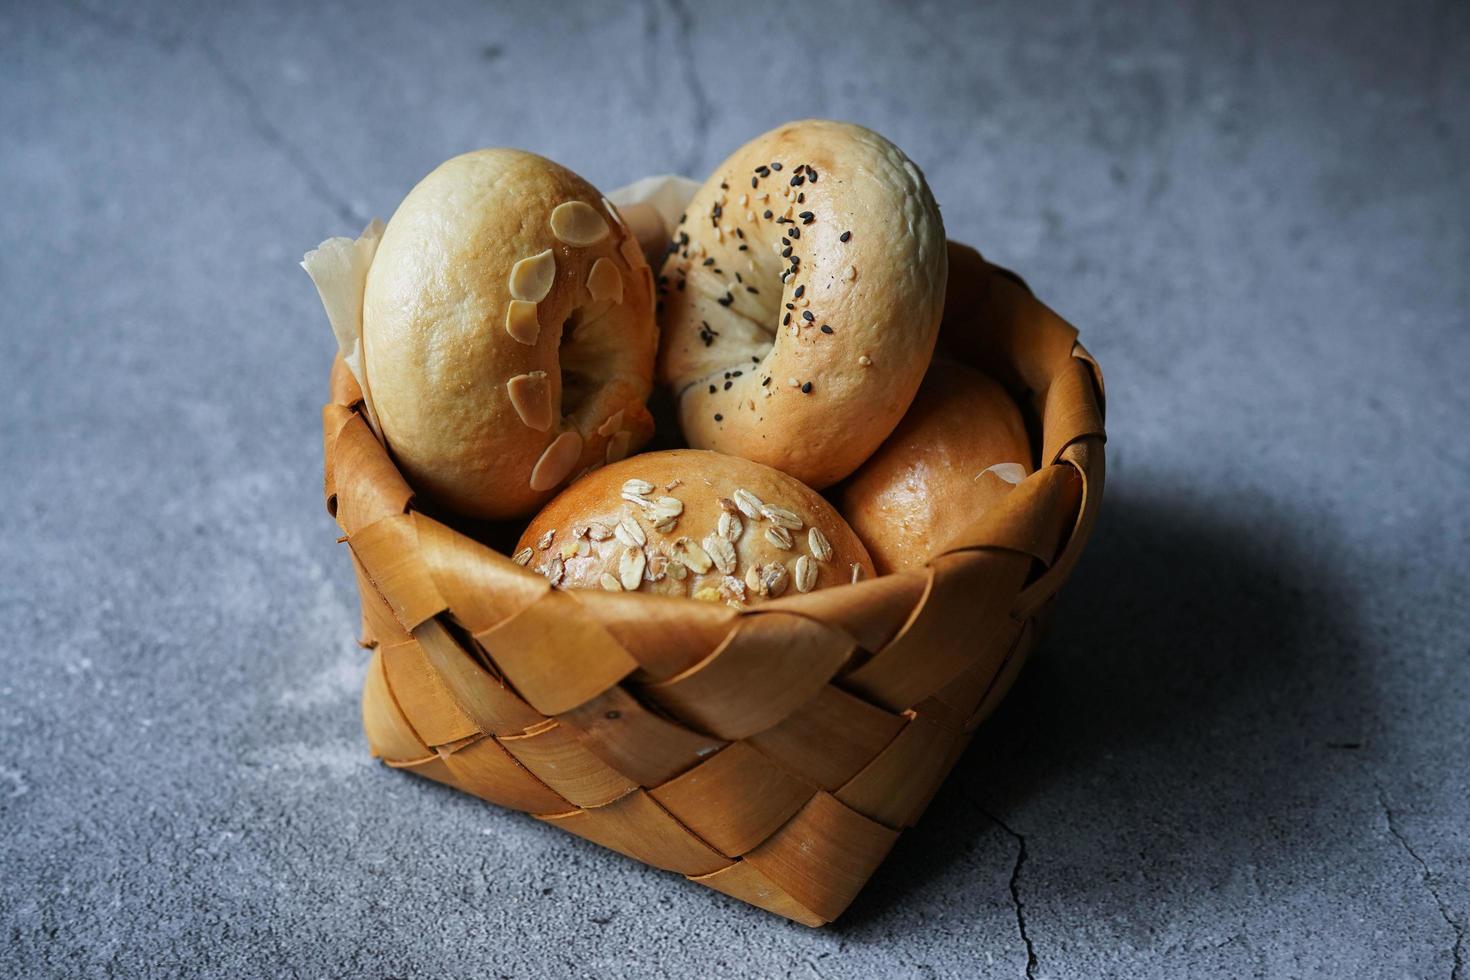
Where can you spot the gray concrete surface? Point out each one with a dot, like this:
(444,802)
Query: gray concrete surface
(1241,752)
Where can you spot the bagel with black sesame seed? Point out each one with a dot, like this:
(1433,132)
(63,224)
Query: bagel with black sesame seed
(800,299)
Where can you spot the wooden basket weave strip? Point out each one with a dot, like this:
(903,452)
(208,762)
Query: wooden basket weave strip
(774,753)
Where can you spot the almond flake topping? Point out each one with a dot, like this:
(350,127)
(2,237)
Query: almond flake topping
(605,282)
(532,277)
(544,542)
(556,462)
(578,223)
(610,582)
(598,531)
(521,322)
(530,396)
(611,424)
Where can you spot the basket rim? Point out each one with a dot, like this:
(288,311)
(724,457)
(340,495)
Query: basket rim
(1088,464)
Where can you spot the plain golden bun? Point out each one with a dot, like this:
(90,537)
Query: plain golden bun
(961,447)
(508,333)
(686,522)
(801,299)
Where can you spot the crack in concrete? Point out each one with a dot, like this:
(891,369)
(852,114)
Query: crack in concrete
(316,181)
(1015,882)
(275,138)
(1458,951)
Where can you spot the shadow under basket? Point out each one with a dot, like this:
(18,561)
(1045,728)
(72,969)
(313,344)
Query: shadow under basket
(774,753)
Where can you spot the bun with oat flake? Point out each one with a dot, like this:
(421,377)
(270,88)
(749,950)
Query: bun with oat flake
(801,299)
(508,336)
(686,522)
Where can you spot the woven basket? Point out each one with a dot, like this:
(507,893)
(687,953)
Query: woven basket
(772,753)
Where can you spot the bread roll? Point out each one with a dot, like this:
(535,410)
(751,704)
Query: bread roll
(801,299)
(508,333)
(961,447)
(686,522)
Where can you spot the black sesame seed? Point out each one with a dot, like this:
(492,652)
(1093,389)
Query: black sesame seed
(752,290)
(792,306)
(800,290)
(811,172)
(786,252)
(795,232)
(737,373)
(726,300)
(765,382)
(806,389)
(786,319)
(719,271)
(801,198)
(785,240)
(798,180)
(806,216)
(807,316)
(737,278)
(739,233)
(711,389)
(743,248)
(775,166)
(767,215)
(683,238)
(755,182)
(728,384)
(719,417)
(763,170)
(683,217)
(708,261)
(844,236)
(826,329)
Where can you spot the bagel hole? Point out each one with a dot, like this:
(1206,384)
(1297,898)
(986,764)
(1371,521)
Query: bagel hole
(577,383)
